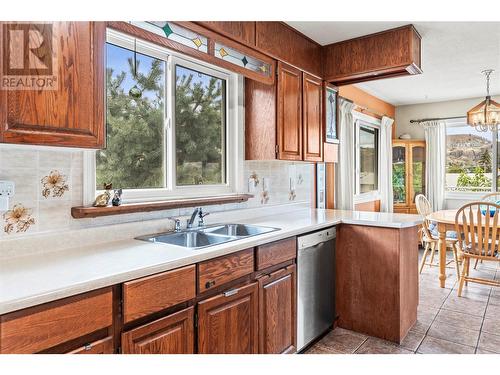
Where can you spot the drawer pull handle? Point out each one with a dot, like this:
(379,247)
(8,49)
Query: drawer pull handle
(230,293)
(87,347)
(209,284)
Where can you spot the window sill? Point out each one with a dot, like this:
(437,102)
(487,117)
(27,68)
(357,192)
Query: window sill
(464,195)
(128,208)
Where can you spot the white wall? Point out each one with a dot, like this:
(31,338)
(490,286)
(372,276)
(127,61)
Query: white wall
(453,108)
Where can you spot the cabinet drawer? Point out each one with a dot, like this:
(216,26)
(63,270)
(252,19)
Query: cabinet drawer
(216,272)
(154,293)
(275,253)
(42,327)
(104,346)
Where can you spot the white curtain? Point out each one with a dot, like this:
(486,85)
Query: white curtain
(345,180)
(435,138)
(386,164)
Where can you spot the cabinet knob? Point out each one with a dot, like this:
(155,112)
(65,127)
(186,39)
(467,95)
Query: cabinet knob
(209,284)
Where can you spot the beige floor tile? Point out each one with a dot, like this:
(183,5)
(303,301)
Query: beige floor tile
(378,346)
(459,335)
(431,345)
(319,349)
(459,319)
(491,325)
(412,340)
(494,300)
(477,294)
(489,342)
(465,305)
(493,311)
(483,351)
(342,340)
(421,326)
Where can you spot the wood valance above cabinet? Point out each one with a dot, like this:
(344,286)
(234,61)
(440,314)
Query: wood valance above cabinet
(390,53)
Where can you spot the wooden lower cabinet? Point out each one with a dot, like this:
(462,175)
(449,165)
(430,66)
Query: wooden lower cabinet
(173,334)
(228,322)
(277,312)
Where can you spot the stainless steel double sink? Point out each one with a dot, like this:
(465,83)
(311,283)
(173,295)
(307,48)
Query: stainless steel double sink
(198,238)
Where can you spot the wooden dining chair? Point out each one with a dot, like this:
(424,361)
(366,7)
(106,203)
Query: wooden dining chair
(476,224)
(491,197)
(430,240)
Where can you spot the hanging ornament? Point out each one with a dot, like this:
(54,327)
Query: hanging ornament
(135,92)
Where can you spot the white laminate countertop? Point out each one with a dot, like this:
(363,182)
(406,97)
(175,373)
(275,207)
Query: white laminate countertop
(39,278)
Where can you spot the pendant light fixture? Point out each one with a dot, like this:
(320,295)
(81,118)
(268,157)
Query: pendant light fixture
(486,115)
(135,92)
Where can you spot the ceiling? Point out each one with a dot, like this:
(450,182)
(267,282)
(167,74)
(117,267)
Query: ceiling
(453,56)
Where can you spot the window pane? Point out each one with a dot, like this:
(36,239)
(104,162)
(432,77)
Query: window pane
(134,154)
(468,159)
(368,159)
(418,170)
(200,126)
(399,174)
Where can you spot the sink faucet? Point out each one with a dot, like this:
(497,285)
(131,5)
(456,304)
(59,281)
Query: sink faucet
(201,216)
(193,216)
(177,223)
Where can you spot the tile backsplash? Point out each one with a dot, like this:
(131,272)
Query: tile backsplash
(49,181)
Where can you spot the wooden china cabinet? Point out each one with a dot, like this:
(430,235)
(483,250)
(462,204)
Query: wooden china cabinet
(408,173)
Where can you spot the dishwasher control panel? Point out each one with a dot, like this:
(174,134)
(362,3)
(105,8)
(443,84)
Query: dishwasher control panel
(313,239)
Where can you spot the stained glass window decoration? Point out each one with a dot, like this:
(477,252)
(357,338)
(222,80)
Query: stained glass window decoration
(176,33)
(331,115)
(235,57)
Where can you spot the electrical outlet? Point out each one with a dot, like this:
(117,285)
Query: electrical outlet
(7,188)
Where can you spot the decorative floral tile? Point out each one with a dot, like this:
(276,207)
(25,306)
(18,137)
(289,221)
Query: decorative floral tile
(54,183)
(18,218)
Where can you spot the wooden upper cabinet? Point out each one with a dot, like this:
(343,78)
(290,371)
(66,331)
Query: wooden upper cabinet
(284,43)
(228,322)
(389,53)
(241,31)
(289,113)
(312,117)
(72,114)
(173,334)
(277,315)
(260,121)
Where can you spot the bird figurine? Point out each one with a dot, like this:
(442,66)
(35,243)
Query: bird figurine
(117,199)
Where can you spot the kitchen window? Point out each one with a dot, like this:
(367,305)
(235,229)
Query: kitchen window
(172,125)
(366,158)
(472,159)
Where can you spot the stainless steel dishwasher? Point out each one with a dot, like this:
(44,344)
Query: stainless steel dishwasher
(315,285)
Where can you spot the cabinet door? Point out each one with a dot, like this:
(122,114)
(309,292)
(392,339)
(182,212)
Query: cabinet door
(71,114)
(312,117)
(289,126)
(173,334)
(228,322)
(277,312)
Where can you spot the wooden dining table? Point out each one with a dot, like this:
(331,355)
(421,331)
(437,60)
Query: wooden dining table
(445,220)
